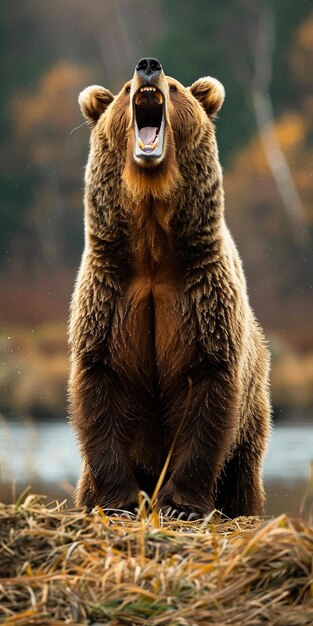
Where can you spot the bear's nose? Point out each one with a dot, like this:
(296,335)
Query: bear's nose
(148,68)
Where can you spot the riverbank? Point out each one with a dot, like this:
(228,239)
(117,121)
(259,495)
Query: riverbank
(45,456)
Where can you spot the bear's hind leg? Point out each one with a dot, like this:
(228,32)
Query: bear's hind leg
(240,485)
(239,488)
(84,495)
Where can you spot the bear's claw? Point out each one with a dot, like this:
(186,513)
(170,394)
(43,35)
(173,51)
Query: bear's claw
(119,513)
(182,515)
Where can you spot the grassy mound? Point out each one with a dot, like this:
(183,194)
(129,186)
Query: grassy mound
(61,566)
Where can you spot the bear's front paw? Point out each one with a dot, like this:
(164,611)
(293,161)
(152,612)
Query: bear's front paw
(129,513)
(117,505)
(117,499)
(179,504)
(183,514)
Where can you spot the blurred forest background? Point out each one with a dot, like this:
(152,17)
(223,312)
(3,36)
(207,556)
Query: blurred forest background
(262,51)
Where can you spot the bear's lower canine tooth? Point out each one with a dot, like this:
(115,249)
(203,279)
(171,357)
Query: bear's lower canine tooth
(153,145)
(148,146)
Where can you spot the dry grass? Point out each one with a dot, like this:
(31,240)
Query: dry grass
(61,566)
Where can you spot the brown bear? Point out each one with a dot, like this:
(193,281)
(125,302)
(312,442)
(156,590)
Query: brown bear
(162,336)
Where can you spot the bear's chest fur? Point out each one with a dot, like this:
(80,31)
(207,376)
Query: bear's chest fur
(149,327)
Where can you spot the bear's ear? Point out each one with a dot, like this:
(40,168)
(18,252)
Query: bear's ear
(210,93)
(93,101)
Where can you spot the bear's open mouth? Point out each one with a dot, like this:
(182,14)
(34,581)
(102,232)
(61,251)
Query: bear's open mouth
(149,122)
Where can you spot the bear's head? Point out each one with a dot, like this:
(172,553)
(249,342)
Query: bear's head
(156,124)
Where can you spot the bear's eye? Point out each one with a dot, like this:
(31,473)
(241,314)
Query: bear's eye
(128,89)
(173,88)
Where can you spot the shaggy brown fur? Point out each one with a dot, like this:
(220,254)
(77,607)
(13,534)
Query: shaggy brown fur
(161,299)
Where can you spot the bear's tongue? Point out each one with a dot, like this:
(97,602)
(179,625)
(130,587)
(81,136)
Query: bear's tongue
(148,134)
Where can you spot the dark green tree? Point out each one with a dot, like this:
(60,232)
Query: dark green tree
(204,37)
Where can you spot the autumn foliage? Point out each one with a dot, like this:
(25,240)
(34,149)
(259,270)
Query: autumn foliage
(42,168)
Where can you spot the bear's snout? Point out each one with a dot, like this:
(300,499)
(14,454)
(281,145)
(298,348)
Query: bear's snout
(148,69)
(148,112)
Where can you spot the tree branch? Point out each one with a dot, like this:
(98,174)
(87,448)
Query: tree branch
(276,160)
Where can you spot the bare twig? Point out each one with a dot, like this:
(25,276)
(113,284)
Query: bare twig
(264,44)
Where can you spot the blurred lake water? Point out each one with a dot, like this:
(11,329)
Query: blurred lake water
(45,456)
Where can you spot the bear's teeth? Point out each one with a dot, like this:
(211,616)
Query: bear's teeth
(149,146)
(153,145)
(156,92)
